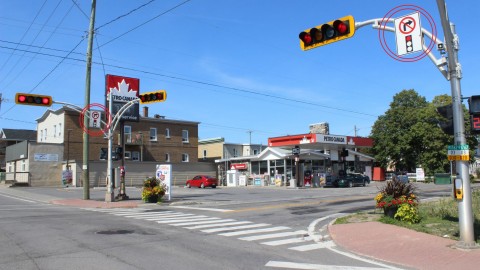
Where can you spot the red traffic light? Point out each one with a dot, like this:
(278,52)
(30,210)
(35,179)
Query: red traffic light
(35,100)
(327,33)
(157,96)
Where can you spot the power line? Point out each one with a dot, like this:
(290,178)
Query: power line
(124,15)
(213,85)
(142,24)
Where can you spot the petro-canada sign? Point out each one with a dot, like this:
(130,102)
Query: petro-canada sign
(124,89)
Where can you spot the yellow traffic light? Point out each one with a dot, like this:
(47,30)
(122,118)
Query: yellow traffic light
(327,33)
(151,97)
(31,99)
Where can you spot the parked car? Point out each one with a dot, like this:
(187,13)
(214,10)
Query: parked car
(353,179)
(202,181)
(330,181)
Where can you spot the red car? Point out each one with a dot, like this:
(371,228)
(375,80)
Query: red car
(202,181)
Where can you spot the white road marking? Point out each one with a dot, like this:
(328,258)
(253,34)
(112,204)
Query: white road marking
(309,266)
(319,245)
(201,208)
(272,229)
(287,241)
(273,235)
(185,219)
(220,223)
(16,198)
(235,228)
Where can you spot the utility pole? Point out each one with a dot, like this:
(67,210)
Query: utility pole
(86,177)
(465,215)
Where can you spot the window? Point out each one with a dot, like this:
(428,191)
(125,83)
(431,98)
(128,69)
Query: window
(255,151)
(127,131)
(24,166)
(41,135)
(128,155)
(235,152)
(185,136)
(135,156)
(167,133)
(204,154)
(153,134)
(45,134)
(54,131)
(60,130)
(184,157)
(167,157)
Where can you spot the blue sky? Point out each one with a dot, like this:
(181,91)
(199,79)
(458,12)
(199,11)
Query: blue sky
(233,66)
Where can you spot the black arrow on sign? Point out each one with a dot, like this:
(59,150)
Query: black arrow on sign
(405,25)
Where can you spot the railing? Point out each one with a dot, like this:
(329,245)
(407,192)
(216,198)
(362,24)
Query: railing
(18,178)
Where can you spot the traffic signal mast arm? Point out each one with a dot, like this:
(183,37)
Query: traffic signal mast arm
(345,27)
(380,24)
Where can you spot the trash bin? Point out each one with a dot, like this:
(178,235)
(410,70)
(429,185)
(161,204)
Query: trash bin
(442,179)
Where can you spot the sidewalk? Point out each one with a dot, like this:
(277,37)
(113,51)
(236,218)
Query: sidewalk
(402,246)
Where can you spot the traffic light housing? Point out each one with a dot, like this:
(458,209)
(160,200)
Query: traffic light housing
(35,100)
(327,33)
(474,109)
(447,113)
(151,97)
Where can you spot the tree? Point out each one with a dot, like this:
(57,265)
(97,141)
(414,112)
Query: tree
(407,135)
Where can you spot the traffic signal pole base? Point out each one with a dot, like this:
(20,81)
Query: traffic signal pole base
(109,197)
(122,197)
(466,246)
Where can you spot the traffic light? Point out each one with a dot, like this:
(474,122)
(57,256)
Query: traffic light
(474,109)
(31,99)
(447,113)
(327,33)
(150,97)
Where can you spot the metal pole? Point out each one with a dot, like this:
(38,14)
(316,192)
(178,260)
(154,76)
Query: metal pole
(86,178)
(109,194)
(465,215)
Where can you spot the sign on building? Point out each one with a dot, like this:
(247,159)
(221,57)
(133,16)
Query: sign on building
(123,89)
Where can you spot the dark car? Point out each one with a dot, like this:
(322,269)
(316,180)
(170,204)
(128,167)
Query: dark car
(352,179)
(202,181)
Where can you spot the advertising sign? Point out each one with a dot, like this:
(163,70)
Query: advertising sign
(164,174)
(123,89)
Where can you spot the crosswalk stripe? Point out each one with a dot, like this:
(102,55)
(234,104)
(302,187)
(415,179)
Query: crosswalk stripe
(126,214)
(211,220)
(235,228)
(320,245)
(273,235)
(287,241)
(273,229)
(183,220)
(220,223)
(155,218)
(172,215)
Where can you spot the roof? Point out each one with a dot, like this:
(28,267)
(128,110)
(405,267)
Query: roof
(7,134)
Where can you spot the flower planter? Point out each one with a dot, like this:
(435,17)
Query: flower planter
(152,199)
(390,211)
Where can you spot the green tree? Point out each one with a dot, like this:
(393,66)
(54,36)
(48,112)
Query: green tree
(407,135)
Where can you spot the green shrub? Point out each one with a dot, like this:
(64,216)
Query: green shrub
(408,213)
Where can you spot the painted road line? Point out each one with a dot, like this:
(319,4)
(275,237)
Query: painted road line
(155,218)
(179,219)
(320,245)
(211,220)
(191,221)
(287,241)
(309,266)
(201,208)
(184,220)
(144,213)
(20,199)
(300,234)
(141,215)
(273,229)
(218,224)
(235,228)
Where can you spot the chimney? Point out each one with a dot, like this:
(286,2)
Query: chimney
(145,111)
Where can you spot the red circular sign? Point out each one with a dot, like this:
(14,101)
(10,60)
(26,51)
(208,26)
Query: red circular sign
(405,26)
(388,18)
(108,117)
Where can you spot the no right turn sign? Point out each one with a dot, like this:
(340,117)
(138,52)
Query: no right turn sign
(408,34)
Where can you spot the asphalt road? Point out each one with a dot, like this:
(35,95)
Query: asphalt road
(223,228)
